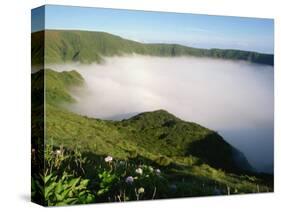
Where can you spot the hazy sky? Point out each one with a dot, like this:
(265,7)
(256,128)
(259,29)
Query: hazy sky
(203,31)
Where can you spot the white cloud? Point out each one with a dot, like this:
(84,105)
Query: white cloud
(223,95)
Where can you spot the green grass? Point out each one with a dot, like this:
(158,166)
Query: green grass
(102,138)
(73,177)
(58,83)
(61,46)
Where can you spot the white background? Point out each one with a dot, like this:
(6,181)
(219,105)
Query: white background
(15,104)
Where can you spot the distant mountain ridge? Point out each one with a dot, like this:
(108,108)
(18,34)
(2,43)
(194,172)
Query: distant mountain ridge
(60,46)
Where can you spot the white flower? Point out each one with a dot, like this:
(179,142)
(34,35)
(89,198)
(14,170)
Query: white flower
(129,180)
(157,171)
(58,152)
(141,190)
(139,171)
(33,150)
(108,159)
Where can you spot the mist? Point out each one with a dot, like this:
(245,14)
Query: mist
(234,98)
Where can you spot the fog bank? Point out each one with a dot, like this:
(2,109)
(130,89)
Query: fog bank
(234,98)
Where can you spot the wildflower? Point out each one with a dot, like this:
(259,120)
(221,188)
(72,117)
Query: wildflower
(141,190)
(58,152)
(157,171)
(129,180)
(108,159)
(139,171)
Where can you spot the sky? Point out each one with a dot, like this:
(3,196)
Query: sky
(202,31)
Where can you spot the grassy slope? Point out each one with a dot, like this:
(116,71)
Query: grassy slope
(58,84)
(157,136)
(87,47)
(160,131)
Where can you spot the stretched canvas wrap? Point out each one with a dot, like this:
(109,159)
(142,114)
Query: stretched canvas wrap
(134,105)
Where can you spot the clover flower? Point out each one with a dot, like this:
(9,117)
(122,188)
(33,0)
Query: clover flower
(108,159)
(157,171)
(139,171)
(141,190)
(58,152)
(129,180)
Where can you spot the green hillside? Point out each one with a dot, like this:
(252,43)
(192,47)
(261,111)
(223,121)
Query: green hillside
(194,160)
(162,132)
(88,47)
(184,151)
